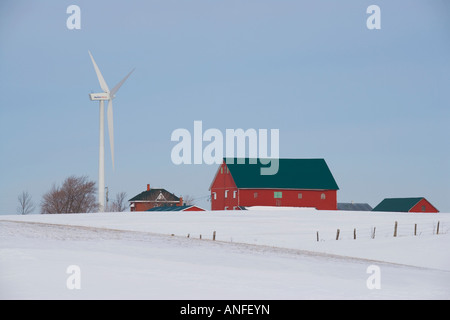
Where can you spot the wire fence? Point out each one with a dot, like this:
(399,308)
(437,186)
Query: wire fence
(384,231)
(291,238)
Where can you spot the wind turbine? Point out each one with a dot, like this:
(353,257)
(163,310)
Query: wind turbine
(106,95)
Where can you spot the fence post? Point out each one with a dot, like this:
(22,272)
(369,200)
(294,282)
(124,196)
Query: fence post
(200,236)
(415,229)
(354,234)
(437,229)
(337,234)
(317,236)
(373,233)
(395,228)
(214,236)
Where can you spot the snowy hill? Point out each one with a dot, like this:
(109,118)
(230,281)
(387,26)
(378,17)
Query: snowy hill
(258,254)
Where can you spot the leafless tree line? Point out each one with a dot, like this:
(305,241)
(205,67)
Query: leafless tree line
(75,195)
(119,204)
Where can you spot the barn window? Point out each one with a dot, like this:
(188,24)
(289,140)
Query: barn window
(255,195)
(277,194)
(424,208)
(226,208)
(300,196)
(226,193)
(235,208)
(214,195)
(234,194)
(322,196)
(221,169)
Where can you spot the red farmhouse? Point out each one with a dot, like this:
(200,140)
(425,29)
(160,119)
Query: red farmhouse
(298,183)
(154,198)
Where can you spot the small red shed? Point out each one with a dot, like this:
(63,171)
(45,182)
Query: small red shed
(177,208)
(418,204)
(298,183)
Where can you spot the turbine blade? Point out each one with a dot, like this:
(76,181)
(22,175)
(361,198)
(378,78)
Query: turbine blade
(102,81)
(116,88)
(111,129)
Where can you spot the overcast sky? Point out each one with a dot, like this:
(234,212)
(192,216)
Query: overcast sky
(375,104)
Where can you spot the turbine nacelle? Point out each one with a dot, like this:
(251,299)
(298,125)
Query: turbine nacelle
(99,96)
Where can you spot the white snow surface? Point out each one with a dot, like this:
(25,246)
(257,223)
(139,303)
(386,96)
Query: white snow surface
(258,254)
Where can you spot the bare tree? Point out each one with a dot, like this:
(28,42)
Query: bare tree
(119,204)
(188,200)
(26,204)
(76,195)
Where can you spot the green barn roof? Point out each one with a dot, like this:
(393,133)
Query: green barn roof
(311,174)
(170,208)
(397,204)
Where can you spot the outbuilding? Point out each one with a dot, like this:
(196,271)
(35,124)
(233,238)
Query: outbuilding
(177,208)
(419,204)
(298,183)
(352,206)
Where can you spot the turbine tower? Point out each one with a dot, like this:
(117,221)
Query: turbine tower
(106,95)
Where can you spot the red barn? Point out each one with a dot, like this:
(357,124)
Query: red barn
(419,204)
(298,183)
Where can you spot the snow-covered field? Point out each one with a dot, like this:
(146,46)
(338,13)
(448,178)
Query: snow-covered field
(258,254)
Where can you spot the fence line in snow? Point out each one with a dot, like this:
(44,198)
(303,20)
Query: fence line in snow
(397,230)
